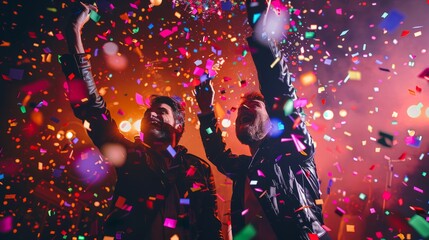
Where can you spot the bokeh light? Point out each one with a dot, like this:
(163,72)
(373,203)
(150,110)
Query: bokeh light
(328,115)
(308,78)
(414,111)
(116,154)
(137,125)
(70,134)
(125,126)
(110,48)
(226,123)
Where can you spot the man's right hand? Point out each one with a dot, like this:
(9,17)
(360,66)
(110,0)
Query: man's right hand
(255,8)
(75,25)
(204,94)
(80,17)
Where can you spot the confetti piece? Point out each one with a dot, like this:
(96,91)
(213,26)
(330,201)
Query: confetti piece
(171,150)
(247,233)
(94,16)
(185,201)
(340,211)
(392,21)
(424,74)
(420,225)
(170,223)
(6,224)
(386,139)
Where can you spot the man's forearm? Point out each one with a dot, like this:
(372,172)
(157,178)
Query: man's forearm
(74,41)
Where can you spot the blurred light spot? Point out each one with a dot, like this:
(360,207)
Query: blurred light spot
(343,113)
(70,134)
(125,126)
(116,62)
(226,123)
(60,135)
(308,78)
(137,125)
(328,115)
(414,111)
(114,153)
(110,48)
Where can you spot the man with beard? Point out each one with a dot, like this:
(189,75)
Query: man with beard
(162,192)
(276,188)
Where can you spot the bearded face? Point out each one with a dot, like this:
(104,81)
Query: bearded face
(159,125)
(253,123)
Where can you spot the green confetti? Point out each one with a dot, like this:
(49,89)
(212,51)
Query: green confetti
(52,10)
(309,34)
(94,16)
(23,110)
(247,233)
(420,225)
(209,131)
(288,107)
(136,30)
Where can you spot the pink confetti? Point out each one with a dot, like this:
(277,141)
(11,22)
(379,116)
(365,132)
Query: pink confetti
(387,195)
(418,189)
(170,223)
(139,99)
(260,173)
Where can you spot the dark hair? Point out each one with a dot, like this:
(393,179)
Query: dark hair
(251,96)
(174,103)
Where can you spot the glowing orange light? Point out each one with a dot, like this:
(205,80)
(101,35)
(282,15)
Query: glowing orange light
(308,78)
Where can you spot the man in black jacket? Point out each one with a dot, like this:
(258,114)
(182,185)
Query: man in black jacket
(274,190)
(162,192)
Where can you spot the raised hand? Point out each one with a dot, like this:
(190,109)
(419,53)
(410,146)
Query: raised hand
(204,94)
(81,16)
(75,25)
(255,8)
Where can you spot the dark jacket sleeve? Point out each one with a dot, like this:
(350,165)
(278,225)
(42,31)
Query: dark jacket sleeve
(276,86)
(85,101)
(210,227)
(273,73)
(226,162)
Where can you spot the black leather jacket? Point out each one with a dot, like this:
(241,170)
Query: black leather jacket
(139,206)
(289,185)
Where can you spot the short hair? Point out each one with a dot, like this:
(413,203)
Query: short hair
(175,104)
(251,96)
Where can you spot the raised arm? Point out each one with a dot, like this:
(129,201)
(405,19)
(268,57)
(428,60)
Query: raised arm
(270,62)
(226,162)
(82,92)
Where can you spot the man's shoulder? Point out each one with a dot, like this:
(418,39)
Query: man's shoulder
(195,160)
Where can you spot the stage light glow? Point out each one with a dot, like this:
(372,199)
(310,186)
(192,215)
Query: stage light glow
(343,113)
(226,123)
(308,78)
(70,134)
(154,3)
(110,48)
(125,126)
(60,135)
(114,153)
(316,115)
(137,125)
(328,115)
(414,111)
